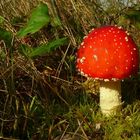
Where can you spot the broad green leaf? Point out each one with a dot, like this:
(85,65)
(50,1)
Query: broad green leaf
(46,48)
(6,37)
(39,18)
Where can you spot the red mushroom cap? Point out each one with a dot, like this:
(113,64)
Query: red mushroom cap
(108,53)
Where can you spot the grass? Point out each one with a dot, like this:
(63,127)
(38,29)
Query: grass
(44,97)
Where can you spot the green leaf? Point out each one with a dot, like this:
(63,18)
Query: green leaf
(1,19)
(6,37)
(25,50)
(39,18)
(46,48)
(55,21)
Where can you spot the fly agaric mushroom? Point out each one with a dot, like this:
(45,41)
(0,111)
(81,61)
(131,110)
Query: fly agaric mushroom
(108,54)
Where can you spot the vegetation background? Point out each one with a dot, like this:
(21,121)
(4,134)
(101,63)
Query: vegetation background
(41,95)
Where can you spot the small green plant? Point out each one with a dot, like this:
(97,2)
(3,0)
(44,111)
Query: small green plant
(39,18)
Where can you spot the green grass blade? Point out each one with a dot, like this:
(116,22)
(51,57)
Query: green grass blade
(24,50)
(1,19)
(39,18)
(6,37)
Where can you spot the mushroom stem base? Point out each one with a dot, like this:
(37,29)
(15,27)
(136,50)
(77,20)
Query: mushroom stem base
(110,97)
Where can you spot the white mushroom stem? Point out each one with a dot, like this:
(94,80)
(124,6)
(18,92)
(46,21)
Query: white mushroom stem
(110,97)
